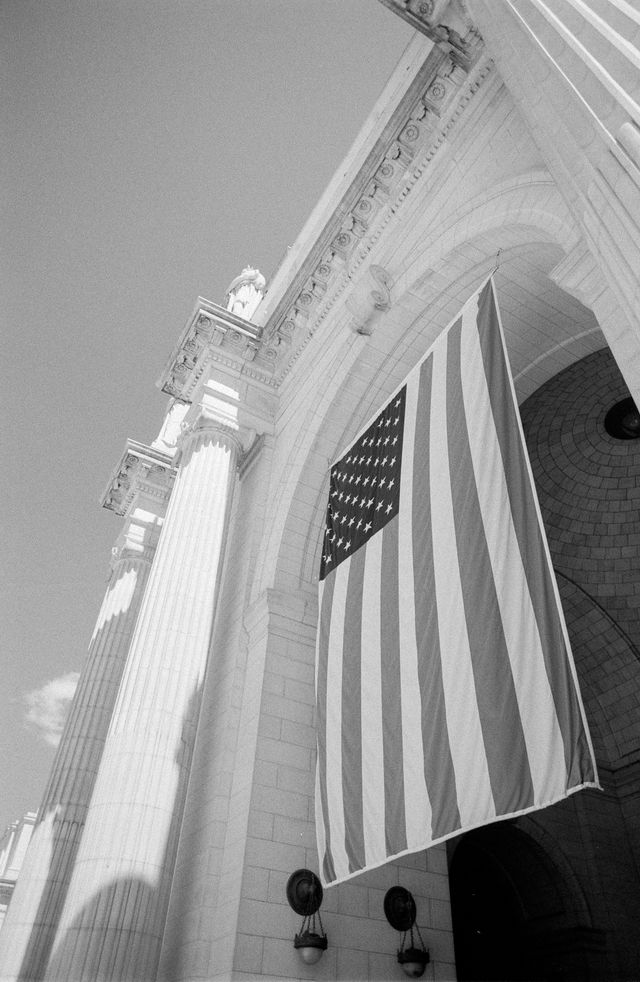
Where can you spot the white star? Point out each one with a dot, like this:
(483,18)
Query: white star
(384,460)
(389,508)
(351,521)
(359,523)
(397,402)
(379,505)
(340,541)
(365,482)
(383,482)
(367,526)
(362,502)
(392,461)
(396,420)
(391,483)
(370,502)
(347,499)
(394,441)
(386,440)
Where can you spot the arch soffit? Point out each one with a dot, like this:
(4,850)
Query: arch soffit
(532,208)
(507,839)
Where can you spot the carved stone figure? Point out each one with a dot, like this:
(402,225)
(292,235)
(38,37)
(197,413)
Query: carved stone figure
(245,292)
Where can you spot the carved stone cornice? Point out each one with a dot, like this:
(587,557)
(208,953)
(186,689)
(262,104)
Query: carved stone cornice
(430,112)
(141,469)
(445,22)
(213,334)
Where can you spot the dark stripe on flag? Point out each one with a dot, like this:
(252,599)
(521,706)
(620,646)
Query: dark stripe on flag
(321,709)
(438,765)
(395,823)
(577,754)
(352,715)
(504,741)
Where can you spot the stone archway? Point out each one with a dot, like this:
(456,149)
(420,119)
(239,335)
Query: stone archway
(517,913)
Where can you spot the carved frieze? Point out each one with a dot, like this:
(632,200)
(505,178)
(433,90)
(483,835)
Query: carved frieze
(424,128)
(141,469)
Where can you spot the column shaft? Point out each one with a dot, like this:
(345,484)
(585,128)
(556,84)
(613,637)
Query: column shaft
(32,917)
(115,910)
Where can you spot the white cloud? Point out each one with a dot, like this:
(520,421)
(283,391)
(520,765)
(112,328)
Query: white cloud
(48,706)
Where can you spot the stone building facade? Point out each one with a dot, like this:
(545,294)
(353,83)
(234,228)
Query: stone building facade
(181,798)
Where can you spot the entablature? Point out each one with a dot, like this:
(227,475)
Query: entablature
(140,470)
(213,333)
(423,121)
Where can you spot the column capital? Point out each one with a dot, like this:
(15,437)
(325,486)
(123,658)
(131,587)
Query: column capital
(141,470)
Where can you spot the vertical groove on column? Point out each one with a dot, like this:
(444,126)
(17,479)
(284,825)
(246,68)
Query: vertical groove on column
(32,917)
(113,919)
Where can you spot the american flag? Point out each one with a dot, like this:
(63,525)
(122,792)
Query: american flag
(446,689)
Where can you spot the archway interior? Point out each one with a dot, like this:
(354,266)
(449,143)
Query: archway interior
(514,917)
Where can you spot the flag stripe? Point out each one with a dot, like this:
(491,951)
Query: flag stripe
(395,825)
(540,726)
(438,765)
(333,775)
(351,715)
(321,804)
(373,790)
(417,804)
(532,548)
(475,799)
(504,743)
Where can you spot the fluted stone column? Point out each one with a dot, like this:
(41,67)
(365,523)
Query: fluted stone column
(115,910)
(32,918)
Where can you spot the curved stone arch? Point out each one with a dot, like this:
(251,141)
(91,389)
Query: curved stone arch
(506,840)
(529,203)
(530,200)
(598,640)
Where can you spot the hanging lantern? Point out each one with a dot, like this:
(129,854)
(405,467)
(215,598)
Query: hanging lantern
(400,911)
(304,893)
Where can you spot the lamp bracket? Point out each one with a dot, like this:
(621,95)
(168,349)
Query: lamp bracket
(304,892)
(400,908)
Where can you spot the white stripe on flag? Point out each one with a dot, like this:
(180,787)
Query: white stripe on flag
(335,797)
(416,799)
(320,829)
(473,786)
(372,709)
(543,737)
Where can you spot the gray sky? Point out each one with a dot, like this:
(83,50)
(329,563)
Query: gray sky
(150,150)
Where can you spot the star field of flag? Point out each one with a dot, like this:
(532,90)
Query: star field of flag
(364,492)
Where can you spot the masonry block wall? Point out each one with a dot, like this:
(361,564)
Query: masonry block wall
(589,490)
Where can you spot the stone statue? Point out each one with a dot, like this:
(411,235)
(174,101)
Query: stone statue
(167,438)
(245,292)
